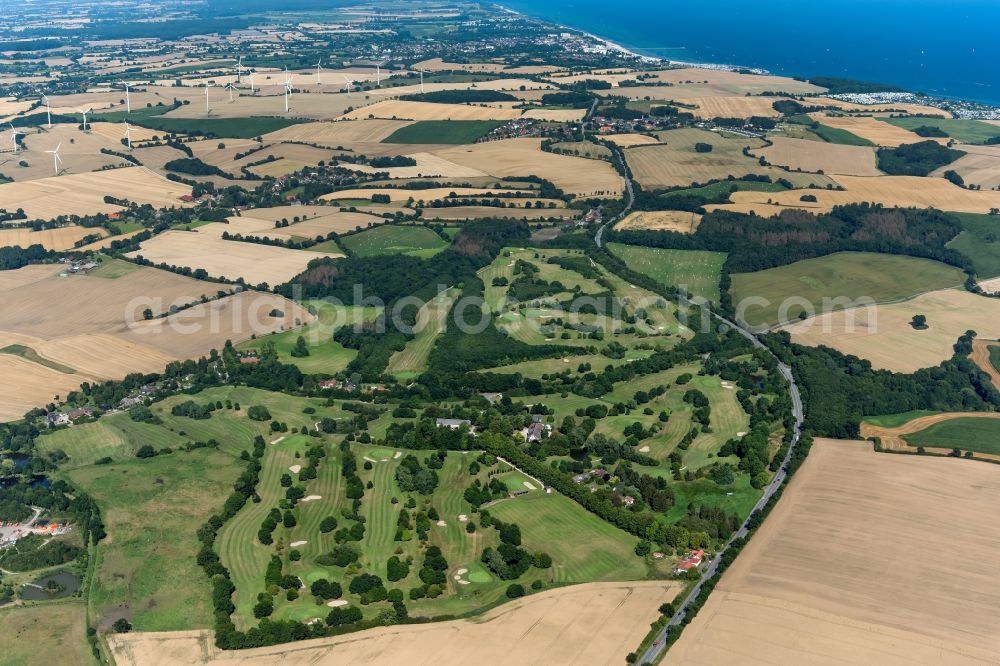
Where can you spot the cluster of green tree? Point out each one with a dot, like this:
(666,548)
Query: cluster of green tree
(755,243)
(460,97)
(387,162)
(840,390)
(655,491)
(930,132)
(573,99)
(59,499)
(576,263)
(508,560)
(432,574)
(194,167)
(916,159)
(143,414)
(391,278)
(480,493)
(375,341)
(423,434)
(753,450)
(14,257)
(193,410)
(411,476)
(36,552)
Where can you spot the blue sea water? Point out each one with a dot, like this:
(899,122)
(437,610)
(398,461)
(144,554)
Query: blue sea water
(949,48)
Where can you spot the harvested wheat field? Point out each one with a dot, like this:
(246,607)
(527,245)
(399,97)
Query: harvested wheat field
(878,132)
(434,194)
(595,623)
(730,107)
(857,564)
(397,109)
(578,176)
(428,165)
(115,132)
(556,115)
(981,355)
(439,65)
(83,194)
(25,385)
(903,191)
(460,213)
(981,166)
(62,238)
(230,259)
(661,220)
(80,152)
(895,439)
(315,106)
(829,158)
(87,327)
(335,221)
(701,82)
(339,133)
(883,335)
(630,140)
(676,163)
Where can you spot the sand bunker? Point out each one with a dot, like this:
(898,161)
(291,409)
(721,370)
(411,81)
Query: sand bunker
(312,498)
(296,544)
(295,469)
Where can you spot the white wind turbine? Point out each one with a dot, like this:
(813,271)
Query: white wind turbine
(319,68)
(208,85)
(288,88)
(85,118)
(378,74)
(422,72)
(230,86)
(350,84)
(239,68)
(128,136)
(56,160)
(128,99)
(13,137)
(48,111)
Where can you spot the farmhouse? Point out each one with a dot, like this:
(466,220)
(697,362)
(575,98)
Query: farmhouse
(329,384)
(693,561)
(534,432)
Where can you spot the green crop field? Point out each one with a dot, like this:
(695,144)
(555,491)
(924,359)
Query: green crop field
(850,275)
(981,435)
(394,239)
(966,131)
(896,420)
(431,322)
(725,187)
(443,131)
(830,134)
(235,128)
(698,271)
(980,242)
(995,357)
(151,509)
(325,355)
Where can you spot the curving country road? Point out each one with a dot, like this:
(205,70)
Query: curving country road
(653,653)
(598,237)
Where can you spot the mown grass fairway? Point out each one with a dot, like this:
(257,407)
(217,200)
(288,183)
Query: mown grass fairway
(698,271)
(146,570)
(49,633)
(394,239)
(966,434)
(325,355)
(456,132)
(850,275)
(431,322)
(583,547)
(980,242)
(966,131)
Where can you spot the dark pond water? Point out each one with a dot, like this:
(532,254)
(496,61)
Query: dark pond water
(69,583)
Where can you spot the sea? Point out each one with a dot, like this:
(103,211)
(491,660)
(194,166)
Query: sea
(946,48)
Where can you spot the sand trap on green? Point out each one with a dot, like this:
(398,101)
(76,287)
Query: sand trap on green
(479,575)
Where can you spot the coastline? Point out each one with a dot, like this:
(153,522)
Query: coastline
(646,57)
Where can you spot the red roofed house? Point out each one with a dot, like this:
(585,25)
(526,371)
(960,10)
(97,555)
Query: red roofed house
(693,561)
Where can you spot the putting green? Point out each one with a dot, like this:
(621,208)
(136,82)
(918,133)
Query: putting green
(315,575)
(301,611)
(478,575)
(380,454)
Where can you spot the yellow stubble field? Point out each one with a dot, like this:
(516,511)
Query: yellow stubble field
(830,158)
(401,110)
(868,558)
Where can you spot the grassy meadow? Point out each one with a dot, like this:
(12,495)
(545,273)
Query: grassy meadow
(854,275)
(698,271)
(967,434)
(394,239)
(456,132)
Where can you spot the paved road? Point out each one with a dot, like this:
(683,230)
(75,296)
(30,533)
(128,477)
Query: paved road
(599,236)
(655,650)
